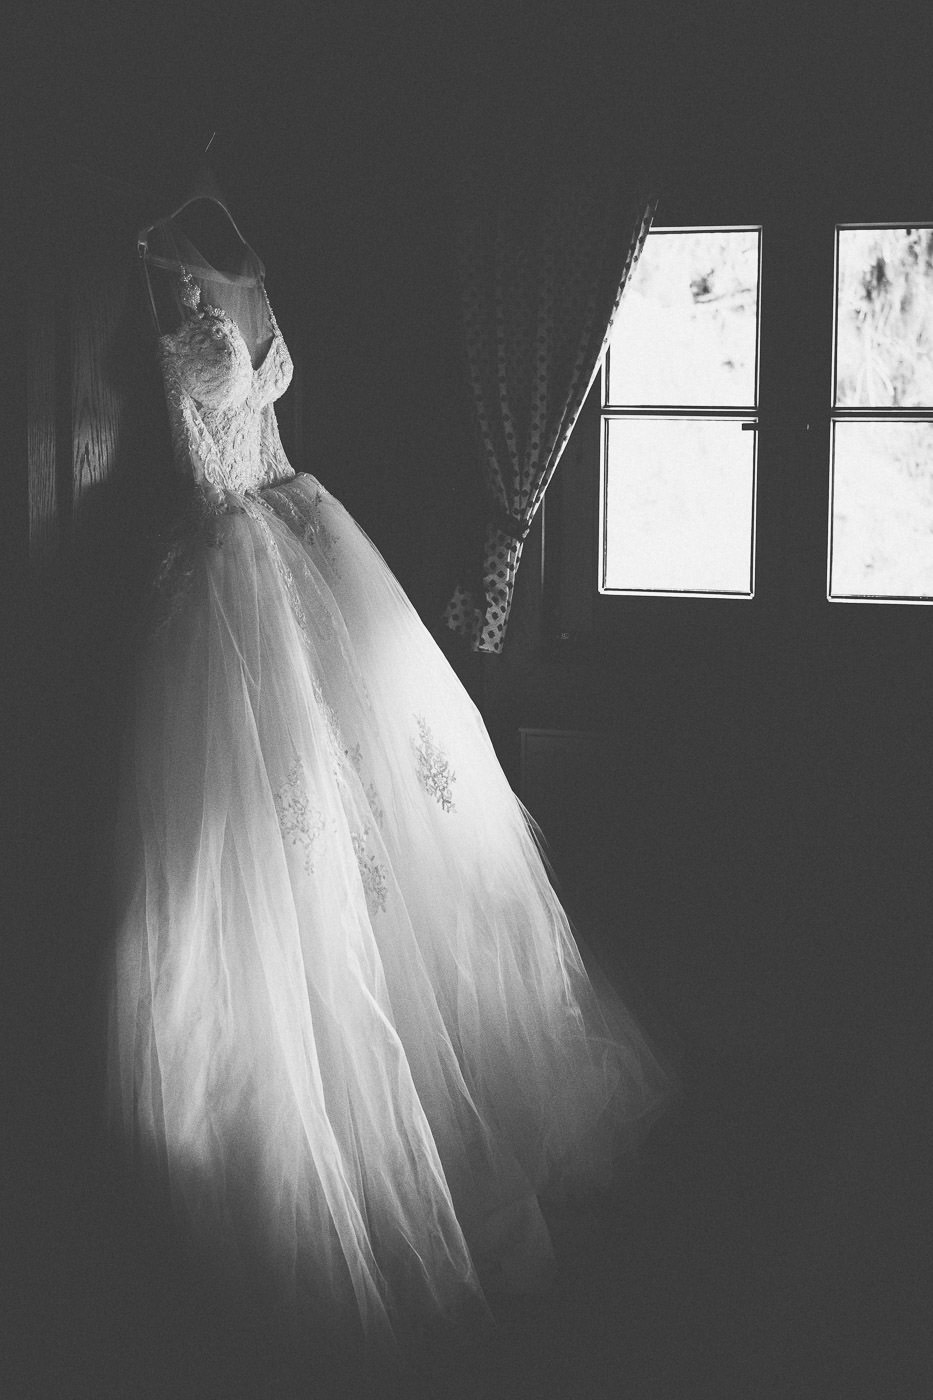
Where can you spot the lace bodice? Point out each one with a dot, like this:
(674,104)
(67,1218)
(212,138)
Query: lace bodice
(224,431)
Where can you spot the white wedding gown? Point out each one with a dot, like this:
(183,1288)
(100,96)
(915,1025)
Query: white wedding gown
(349,1021)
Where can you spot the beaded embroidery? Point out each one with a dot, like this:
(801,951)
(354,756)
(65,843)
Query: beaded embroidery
(255,509)
(373,873)
(220,407)
(310,529)
(302,824)
(434,770)
(323,537)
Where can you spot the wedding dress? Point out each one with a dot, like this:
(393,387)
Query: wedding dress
(348,1019)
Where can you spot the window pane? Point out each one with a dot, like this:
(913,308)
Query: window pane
(687,330)
(679,506)
(884,318)
(881,542)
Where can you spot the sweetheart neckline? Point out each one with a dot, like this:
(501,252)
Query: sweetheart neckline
(218,313)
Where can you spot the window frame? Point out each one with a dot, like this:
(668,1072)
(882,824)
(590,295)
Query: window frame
(867,415)
(747,415)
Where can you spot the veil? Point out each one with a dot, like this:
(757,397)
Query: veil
(201,243)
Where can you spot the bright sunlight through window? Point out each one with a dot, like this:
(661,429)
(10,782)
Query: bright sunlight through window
(881,479)
(680,404)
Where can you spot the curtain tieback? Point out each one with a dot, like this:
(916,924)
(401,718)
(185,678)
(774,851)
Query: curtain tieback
(511,526)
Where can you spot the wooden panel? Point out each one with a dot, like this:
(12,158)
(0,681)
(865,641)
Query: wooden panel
(71,412)
(96,406)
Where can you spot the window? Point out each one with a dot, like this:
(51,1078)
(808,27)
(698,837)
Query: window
(679,419)
(659,493)
(881,442)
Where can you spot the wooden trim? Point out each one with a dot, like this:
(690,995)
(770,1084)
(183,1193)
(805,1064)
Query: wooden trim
(95,407)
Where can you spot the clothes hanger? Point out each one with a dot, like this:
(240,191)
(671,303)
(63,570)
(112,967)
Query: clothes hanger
(205,188)
(205,177)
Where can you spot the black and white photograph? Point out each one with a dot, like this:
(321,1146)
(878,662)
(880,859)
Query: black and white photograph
(467,701)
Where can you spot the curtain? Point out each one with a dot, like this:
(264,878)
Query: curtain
(541,275)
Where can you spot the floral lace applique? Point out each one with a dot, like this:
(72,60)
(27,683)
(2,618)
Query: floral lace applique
(220,408)
(193,449)
(255,509)
(290,513)
(311,531)
(324,617)
(302,824)
(274,465)
(434,770)
(375,806)
(373,873)
(341,751)
(324,538)
(169,587)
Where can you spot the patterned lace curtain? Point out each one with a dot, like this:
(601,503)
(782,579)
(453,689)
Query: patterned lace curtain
(542,275)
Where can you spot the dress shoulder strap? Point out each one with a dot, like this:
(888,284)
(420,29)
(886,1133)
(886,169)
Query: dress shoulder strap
(142,248)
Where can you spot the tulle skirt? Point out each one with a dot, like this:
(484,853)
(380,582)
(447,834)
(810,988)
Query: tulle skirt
(349,1023)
